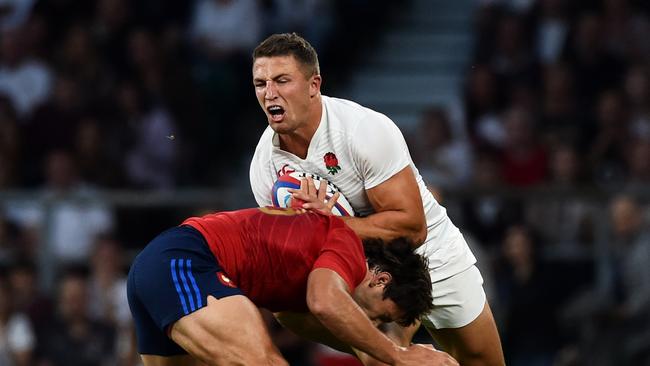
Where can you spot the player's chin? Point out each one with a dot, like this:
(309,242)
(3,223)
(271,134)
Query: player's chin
(280,127)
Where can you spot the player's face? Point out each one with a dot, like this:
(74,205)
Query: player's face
(285,92)
(370,297)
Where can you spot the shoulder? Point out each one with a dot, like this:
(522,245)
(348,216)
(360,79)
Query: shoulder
(348,115)
(265,144)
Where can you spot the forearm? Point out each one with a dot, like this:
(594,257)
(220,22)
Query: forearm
(348,322)
(400,335)
(368,360)
(307,326)
(388,225)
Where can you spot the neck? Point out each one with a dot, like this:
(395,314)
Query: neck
(297,142)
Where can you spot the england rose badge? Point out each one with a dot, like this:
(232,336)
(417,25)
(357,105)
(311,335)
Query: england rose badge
(331,163)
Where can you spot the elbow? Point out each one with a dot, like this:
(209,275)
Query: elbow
(320,307)
(418,234)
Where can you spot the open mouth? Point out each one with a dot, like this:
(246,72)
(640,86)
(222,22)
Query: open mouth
(276,112)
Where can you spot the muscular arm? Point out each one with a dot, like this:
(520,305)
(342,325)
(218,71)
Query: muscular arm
(307,326)
(330,302)
(398,210)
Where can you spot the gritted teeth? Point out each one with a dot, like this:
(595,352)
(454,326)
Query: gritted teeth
(275,109)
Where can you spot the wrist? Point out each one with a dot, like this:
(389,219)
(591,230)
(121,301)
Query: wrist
(396,354)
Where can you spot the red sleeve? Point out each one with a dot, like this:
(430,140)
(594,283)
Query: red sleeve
(343,254)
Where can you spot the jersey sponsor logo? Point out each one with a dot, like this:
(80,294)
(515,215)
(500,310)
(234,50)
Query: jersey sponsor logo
(331,163)
(225,280)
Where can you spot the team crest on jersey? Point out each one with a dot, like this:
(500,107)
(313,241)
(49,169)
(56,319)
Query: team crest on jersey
(331,163)
(225,280)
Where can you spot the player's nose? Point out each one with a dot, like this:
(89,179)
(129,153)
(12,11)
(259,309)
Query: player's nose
(271,91)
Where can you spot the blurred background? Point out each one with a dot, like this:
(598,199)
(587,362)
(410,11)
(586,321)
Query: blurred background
(529,120)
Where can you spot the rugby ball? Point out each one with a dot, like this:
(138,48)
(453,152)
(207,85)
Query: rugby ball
(282,197)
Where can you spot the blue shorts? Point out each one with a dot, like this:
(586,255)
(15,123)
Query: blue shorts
(172,277)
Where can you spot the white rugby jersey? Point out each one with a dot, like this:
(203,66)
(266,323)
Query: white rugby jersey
(356,149)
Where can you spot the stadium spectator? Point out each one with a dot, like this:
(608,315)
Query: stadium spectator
(216,27)
(444,159)
(10,145)
(75,225)
(8,244)
(53,125)
(524,158)
(638,165)
(107,300)
(512,59)
(552,26)
(312,18)
(488,214)
(80,59)
(17,340)
(572,218)
(73,337)
(637,95)
(560,120)
(27,295)
(523,285)
(482,105)
(112,22)
(221,44)
(623,29)
(606,153)
(152,158)
(595,68)
(14,13)
(98,162)
(616,306)
(27,82)
(9,131)
(76,215)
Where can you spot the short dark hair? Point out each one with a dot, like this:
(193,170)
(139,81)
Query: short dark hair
(289,44)
(410,287)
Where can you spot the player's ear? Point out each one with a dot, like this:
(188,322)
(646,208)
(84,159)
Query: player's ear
(382,279)
(314,85)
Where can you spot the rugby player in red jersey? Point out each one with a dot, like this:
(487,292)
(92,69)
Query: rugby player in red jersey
(194,291)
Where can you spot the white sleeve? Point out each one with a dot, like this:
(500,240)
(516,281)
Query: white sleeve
(20,337)
(261,176)
(379,150)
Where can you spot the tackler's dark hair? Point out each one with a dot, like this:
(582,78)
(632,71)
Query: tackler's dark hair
(410,287)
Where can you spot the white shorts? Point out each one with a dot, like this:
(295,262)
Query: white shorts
(457,300)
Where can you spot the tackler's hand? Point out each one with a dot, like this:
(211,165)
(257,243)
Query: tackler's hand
(308,197)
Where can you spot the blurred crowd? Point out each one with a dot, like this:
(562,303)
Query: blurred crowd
(546,168)
(117,94)
(556,106)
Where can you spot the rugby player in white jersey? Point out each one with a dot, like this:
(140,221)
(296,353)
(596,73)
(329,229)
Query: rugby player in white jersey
(364,155)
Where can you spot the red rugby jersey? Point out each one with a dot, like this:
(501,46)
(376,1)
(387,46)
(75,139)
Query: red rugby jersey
(269,252)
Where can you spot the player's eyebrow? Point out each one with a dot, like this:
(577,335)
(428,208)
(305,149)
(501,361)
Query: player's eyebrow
(273,78)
